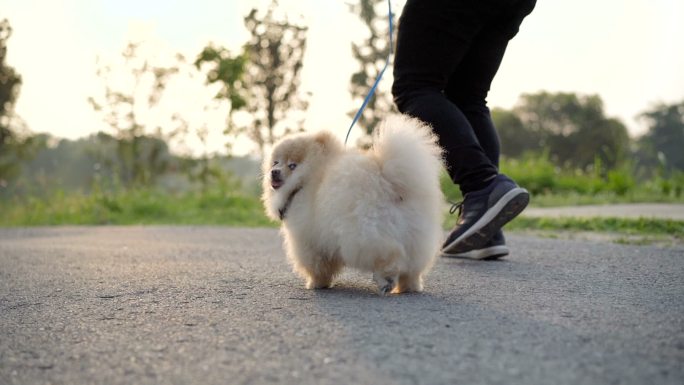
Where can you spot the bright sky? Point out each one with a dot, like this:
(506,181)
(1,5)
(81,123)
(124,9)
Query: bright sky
(627,51)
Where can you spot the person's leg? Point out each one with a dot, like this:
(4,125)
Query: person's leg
(469,84)
(433,38)
(478,231)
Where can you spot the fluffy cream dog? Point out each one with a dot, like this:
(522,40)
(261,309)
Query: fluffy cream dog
(377,211)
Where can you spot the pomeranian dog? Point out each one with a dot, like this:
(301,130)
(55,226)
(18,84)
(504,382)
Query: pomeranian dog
(377,210)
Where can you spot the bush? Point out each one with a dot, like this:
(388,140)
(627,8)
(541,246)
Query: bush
(620,182)
(535,172)
(552,185)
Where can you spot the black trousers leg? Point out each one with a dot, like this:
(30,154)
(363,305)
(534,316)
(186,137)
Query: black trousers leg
(448,52)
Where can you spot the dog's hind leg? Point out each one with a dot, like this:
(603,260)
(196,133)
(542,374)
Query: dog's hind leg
(386,281)
(386,272)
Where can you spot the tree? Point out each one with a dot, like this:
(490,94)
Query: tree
(272,77)
(222,68)
(137,86)
(574,128)
(15,142)
(515,137)
(664,139)
(10,80)
(371,55)
(84,165)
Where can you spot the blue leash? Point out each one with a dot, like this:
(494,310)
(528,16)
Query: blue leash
(375,85)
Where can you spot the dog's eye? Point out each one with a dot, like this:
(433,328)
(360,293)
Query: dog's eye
(292,166)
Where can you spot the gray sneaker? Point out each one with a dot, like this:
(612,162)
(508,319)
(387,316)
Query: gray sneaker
(483,213)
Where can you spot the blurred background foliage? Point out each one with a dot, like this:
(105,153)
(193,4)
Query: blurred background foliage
(560,145)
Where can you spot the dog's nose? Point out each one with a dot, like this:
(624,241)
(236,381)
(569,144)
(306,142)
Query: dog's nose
(275,174)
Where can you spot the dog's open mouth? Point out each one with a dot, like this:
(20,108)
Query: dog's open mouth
(276,184)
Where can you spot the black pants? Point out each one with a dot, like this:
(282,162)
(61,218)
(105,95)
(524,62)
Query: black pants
(448,52)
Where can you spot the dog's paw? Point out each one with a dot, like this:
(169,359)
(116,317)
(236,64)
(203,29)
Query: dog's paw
(410,284)
(385,284)
(313,285)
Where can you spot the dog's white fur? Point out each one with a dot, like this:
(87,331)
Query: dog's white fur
(378,211)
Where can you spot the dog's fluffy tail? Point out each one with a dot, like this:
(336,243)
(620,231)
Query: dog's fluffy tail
(409,155)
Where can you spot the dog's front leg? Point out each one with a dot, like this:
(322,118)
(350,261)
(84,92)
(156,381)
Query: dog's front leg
(318,271)
(322,273)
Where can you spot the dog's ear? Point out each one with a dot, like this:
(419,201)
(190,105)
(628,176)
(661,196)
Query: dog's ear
(327,140)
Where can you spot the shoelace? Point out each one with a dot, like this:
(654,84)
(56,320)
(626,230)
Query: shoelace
(456,206)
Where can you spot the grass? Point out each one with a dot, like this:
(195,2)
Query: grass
(134,207)
(148,207)
(641,231)
(627,226)
(636,231)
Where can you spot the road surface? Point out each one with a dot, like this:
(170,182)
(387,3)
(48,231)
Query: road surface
(674,211)
(207,305)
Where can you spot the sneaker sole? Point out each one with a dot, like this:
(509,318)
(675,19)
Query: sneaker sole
(477,236)
(488,253)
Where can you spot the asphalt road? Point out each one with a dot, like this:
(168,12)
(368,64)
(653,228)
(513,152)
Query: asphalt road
(205,305)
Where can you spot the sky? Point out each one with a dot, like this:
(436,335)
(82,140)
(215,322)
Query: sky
(626,51)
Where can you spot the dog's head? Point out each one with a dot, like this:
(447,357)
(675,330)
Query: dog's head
(295,161)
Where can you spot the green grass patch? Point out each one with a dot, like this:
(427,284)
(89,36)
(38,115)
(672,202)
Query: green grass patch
(227,208)
(135,207)
(628,226)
